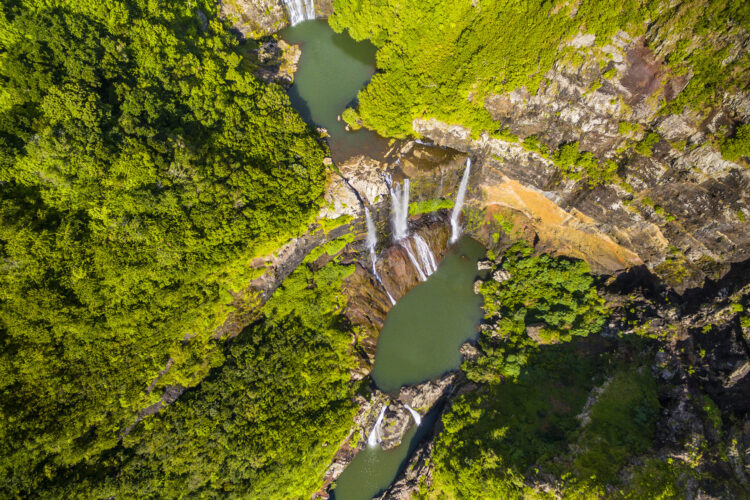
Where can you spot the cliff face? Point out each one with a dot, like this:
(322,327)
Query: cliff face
(677,206)
(260,18)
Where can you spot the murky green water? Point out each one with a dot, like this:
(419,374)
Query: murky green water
(373,470)
(420,340)
(424,330)
(332,69)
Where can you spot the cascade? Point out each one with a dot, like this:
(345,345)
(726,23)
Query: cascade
(400,210)
(426,264)
(372,241)
(414,415)
(300,10)
(455,227)
(374,437)
(405,245)
(425,255)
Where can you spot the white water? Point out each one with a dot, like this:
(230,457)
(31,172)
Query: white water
(414,415)
(425,255)
(372,241)
(455,227)
(374,437)
(405,245)
(400,210)
(426,264)
(300,10)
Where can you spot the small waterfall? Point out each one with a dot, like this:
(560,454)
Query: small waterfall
(372,241)
(414,415)
(300,10)
(455,228)
(400,210)
(405,245)
(425,255)
(374,437)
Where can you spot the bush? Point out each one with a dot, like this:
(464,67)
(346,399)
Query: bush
(734,148)
(556,296)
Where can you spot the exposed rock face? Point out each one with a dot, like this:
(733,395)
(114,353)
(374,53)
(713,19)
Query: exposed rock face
(359,180)
(255,18)
(259,18)
(278,62)
(676,211)
(421,398)
(418,472)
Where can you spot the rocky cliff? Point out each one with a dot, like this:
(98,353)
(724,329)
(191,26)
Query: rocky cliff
(676,205)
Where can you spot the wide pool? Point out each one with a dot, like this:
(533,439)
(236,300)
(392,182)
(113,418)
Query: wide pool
(419,341)
(332,69)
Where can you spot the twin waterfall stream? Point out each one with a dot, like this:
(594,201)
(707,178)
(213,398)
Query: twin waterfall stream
(423,260)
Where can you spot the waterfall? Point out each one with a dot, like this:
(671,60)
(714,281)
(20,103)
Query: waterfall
(400,210)
(426,264)
(374,437)
(372,241)
(405,245)
(425,255)
(455,228)
(414,415)
(300,10)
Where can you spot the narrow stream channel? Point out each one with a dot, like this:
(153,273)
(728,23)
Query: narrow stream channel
(419,341)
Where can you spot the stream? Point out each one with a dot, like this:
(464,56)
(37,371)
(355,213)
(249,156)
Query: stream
(423,332)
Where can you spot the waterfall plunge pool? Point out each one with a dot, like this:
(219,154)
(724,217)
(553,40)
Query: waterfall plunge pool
(332,69)
(424,330)
(419,341)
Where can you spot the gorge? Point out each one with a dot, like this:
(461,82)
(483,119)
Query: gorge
(387,249)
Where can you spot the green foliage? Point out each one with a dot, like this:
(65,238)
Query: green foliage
(142,166)
(610,73)
(555,296)
(351,117)
(494,437)
(441,60)
(627,128)
(331,248)
(733,148)
(264,425)
(623,423)
(500,438)
(268,422)
(532,143)
(692,28)
(433,205)
(577,165)
(645,146)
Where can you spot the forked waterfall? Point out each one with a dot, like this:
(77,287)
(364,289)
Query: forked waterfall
(426,264)
(455,226)
(374,438)
(300,10)
(414,415)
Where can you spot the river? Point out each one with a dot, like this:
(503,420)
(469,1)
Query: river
(332,69)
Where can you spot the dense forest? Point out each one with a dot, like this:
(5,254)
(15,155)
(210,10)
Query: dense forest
(145,169)
(442,60)
(142,166)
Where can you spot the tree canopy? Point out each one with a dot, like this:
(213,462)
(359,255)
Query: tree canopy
(142,166)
